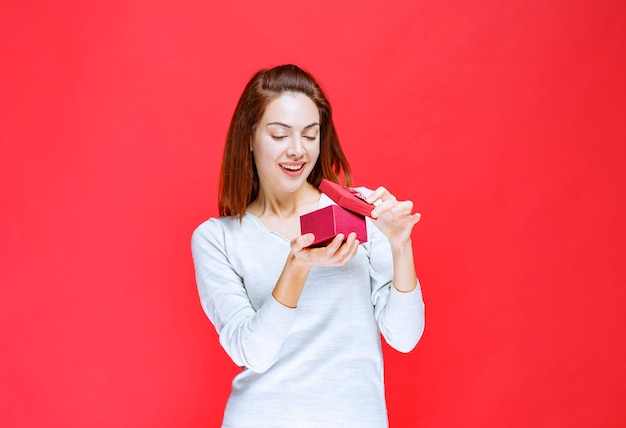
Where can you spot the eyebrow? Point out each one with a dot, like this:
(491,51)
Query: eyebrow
(289,126)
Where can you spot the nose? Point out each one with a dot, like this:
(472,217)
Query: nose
(296,149)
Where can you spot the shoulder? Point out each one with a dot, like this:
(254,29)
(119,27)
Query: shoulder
(215,229)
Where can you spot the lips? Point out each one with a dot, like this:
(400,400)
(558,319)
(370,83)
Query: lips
(292,169)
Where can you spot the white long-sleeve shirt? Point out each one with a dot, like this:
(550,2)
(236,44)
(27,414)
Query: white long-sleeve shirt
(319,365)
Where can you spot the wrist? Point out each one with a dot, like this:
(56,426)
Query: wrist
(296,265)
(401,247)
(291,282)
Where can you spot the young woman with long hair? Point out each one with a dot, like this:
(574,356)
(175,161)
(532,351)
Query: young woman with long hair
(303,323)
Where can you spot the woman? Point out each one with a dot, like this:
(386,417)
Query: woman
(303,323)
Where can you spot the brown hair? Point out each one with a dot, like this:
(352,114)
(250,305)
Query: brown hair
(239,181)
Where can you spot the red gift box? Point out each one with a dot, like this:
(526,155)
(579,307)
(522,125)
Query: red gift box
(348,198)
(329,221)
(346,217)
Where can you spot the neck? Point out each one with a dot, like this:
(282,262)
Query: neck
(285,205)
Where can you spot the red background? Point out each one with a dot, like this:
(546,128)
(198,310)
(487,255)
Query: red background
(502,121)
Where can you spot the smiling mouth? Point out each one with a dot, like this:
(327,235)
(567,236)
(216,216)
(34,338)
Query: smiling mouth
(292,167)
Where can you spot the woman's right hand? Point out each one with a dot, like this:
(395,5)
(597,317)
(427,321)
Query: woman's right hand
(301,258)
(336,253)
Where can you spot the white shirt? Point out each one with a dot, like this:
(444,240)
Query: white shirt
(319,365)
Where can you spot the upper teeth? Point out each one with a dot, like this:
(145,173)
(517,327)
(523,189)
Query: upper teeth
(292,167)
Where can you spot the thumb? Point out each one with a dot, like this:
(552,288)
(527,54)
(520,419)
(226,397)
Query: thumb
(302,241)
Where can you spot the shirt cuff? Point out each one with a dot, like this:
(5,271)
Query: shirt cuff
(275,317)
(407,298)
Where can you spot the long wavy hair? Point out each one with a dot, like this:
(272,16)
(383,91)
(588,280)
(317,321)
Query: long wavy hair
(239,180)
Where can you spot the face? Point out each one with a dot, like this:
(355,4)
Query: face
(286,143)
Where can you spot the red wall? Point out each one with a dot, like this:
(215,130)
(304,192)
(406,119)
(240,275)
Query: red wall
(502,121)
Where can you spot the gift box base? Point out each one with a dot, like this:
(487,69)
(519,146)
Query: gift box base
(329,221)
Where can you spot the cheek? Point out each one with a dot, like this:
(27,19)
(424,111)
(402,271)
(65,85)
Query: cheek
(314,152)
(260,158)
(263,152)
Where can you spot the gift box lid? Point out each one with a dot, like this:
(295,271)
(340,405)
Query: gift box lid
(346,197)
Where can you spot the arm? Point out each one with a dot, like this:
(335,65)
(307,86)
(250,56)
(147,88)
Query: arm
(399,307)
(250,337)
(396,220)
(300,260)
(253,338)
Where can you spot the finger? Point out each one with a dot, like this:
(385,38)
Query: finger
(334,244)
(302,241)
(380,193)
(347,251)
(412,220)
(402,208)
(346,247)
(386,205)
(354,247)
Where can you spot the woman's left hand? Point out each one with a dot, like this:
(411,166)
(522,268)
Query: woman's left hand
(395,219)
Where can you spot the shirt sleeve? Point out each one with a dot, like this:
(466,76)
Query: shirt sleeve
(400,315)
(252,338)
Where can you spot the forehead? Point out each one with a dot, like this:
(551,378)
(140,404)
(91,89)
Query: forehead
(291,108)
